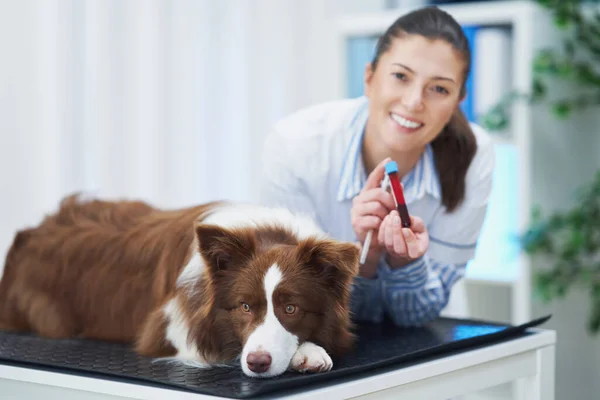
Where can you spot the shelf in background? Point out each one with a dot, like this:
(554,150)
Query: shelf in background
(479,13)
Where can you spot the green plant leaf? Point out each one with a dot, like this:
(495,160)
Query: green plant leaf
(542,287)
(544,3)
(585,276)
(587,75)
(562,16)
(561,291)
(594,318)
(543,62)
(538,88)
(495,120)
(594,323)
(564,69)
(569,48)
(536,213)
(577,240)
(561,109)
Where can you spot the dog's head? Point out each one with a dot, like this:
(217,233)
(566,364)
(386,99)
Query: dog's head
(271,291)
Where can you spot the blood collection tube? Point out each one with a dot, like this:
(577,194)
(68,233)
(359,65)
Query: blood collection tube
(391,169)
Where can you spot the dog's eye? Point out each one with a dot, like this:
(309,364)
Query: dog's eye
(245,307)
(290,309)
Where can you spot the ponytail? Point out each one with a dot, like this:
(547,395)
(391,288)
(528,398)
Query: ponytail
(453,151)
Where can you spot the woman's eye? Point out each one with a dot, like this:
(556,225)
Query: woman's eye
(440,90)
(245,307)
(290,309)
(401,76)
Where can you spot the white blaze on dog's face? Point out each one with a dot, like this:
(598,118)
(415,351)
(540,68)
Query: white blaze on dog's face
(274,291)
(270,347)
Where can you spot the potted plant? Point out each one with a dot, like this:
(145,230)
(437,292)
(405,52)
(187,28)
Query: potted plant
(569,241)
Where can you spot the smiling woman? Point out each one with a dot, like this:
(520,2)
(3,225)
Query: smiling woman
(328,160)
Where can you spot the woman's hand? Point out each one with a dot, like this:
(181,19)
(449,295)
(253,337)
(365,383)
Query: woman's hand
(369,208)
(403,245)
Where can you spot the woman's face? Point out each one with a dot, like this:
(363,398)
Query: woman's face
(413,92)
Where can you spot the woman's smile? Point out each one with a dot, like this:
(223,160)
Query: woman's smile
(404,124)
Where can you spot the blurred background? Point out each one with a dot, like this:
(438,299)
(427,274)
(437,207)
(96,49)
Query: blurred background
(169,101)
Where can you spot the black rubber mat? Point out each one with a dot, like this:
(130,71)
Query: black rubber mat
(378,345)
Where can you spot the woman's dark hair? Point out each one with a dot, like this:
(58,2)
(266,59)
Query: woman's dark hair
(455,147)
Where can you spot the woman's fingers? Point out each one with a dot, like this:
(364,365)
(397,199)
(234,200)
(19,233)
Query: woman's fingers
(403,245)
(379,195)
(367,223)
(411,243)
(398,243)
(371,208)
(390,235)
(417,225)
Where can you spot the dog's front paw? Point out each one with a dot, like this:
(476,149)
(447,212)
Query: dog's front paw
(311,358)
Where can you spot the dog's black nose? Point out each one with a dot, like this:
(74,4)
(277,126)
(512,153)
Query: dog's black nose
(258,361)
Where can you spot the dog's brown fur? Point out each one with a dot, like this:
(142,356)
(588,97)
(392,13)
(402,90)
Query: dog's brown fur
(86,271)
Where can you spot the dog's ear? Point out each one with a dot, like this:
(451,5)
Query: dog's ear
(222,248)
(334,260)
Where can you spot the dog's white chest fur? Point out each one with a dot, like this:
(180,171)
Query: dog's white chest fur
(177,332)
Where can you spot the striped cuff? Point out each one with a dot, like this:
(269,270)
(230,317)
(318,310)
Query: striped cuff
(366,299)
(365,284)
(412,276)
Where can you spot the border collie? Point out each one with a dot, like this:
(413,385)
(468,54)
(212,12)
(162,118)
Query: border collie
(212,284)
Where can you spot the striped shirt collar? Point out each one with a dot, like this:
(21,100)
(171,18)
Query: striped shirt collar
(421,180)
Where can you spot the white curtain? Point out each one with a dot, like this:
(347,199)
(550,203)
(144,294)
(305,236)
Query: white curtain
(165,101)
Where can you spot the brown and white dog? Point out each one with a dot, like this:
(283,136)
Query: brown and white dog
(207,285)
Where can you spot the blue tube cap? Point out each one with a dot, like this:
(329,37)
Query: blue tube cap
(391,167)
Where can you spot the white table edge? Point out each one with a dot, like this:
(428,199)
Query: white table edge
(539,339)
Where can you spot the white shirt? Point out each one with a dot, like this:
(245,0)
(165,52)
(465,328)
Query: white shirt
(312,164)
